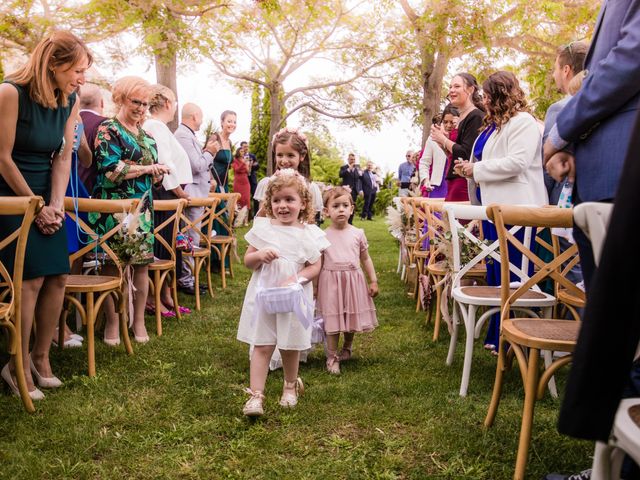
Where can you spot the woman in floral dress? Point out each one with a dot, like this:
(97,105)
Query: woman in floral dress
(127,162)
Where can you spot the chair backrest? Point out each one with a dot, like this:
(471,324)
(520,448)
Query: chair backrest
(95,241)
(593,220)
(535,217)
(203,224)
(423,222)
(11,282)
(467,235)
(171,224)
(225,215)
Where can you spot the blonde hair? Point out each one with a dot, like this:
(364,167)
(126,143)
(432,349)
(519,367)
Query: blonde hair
(278,182)
(576,82)
(125,86)
(335,192)
(160,96)
(60,48)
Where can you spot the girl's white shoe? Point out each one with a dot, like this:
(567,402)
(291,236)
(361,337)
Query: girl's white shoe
(254,407)
(289,399)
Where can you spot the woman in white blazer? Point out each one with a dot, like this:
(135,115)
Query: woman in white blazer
(505,164)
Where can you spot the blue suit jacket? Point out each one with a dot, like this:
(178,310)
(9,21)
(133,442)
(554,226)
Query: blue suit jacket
(600,117)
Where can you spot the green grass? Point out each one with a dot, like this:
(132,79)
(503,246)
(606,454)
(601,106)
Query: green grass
(173,410)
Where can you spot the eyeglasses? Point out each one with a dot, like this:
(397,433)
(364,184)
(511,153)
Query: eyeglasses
(139,103)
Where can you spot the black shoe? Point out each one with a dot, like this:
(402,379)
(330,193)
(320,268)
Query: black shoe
(583,475)
(192,289)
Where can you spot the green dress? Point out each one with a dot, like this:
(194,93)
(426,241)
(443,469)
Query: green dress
(116,149)
(220,169)
(39,135)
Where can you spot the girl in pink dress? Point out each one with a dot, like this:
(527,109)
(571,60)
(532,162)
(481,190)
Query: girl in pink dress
(345,301)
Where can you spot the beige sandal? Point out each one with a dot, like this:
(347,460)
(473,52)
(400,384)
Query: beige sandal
(253,407)
(289,399)
(333,363)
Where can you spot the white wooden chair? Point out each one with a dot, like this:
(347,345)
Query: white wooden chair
(468,299)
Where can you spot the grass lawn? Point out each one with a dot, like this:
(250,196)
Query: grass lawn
(173,410)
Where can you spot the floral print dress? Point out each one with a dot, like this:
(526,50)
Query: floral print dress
(116,149)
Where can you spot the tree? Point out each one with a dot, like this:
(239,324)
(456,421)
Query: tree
(272,41)
(169,29)
(492,30)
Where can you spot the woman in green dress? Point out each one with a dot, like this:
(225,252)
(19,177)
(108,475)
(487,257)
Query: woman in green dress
(127,163)
(39,111)
(220,172)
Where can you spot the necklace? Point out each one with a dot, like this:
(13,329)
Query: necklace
(463,113)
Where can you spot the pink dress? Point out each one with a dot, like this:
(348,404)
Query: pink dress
(343,294)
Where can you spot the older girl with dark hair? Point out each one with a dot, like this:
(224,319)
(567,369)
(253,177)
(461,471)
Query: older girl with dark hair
(463,95)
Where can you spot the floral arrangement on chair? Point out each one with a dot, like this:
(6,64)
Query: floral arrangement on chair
(129,242)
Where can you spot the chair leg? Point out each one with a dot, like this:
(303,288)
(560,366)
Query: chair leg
(207,269)
(18,364)
(91,339)
(436,324)
(124,325)
(156,295)
(61,324)
(548,360)
(455,320)
(601,467)
(197,264)
(497,385)
(174,293)
(468,317)
(223,273)
(527,414)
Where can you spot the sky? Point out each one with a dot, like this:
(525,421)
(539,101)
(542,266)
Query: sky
(210,90)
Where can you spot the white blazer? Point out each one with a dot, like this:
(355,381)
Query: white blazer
(511,168)
(432,155)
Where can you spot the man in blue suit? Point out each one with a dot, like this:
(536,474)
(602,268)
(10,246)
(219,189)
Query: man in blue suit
(369,188)
(597,121)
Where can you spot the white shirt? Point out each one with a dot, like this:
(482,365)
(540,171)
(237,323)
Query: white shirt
(170,153)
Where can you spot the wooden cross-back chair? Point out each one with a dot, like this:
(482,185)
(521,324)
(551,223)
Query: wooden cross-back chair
(408,240)
(571,301)
(162,268)
(527,337)
(11,283)
(225,217)
(201,254)
(421,250)
(95,287)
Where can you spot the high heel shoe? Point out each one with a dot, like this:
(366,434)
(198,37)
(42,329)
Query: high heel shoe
(112,342)
(289,399)
(44,382)
(6,376)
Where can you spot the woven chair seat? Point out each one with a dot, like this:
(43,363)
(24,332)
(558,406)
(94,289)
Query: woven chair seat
(161,264)
(494,292)
(545,334)
(91,283)
(634,413)
(567,298)
(219,239)
(422,253)
(197,252)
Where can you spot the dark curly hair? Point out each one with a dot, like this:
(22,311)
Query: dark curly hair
(307,214)
(504,98)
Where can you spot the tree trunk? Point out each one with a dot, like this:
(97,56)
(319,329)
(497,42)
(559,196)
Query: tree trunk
(166,74)
(434,67)
(276,94)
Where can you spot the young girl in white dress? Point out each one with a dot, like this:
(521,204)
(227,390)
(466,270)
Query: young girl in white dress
(345,300)
(283,249)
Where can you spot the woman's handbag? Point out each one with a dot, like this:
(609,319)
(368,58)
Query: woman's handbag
(184,243)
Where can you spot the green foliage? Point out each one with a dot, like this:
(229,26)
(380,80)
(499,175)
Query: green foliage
(260,119)
(325,157)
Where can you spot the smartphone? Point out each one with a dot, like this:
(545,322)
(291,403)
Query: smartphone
(77,135)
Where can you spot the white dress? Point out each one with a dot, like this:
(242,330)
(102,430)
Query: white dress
(296,246)
(171,154)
